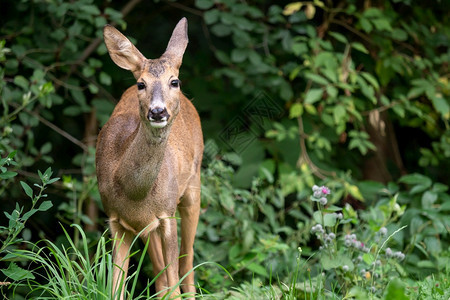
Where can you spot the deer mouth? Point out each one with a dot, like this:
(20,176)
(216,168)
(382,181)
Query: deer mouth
(158,123)
(158,117)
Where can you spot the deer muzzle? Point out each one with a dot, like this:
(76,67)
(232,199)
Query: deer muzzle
(158,117)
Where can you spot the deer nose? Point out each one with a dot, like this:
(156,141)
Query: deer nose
(157,111)
(158,114)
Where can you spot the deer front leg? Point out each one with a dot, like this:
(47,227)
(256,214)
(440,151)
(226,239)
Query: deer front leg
(189,221)
(156,255)
(122,242)
(169,243)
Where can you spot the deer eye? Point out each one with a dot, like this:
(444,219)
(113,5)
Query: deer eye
(140,85)
(175,83)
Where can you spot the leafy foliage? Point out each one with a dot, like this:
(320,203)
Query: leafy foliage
(17,220)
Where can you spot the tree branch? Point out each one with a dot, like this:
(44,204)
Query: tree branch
(97,41)
(55,128)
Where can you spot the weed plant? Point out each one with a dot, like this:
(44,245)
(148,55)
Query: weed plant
(358,255)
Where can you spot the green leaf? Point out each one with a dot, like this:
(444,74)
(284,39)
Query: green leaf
(316,78)
(88,71)
(355,192)
(299,48)
(310,11)
(78,96)
(113,14)
(395,290)
(8,175)
(416,178)
(211,16)
(266,174)
(53,180)
(234,251)
(46,148)
(18,49)
(373,12)
(442,106)
(428,199)
(339,37)
(365,24)
(22,82)
(371,79)
(86,220)
(339,113)
(382,24)
(75,30)
(258,269)
(439,188)
(433,244)
(286,92)
(46,205)
(90,9)
(331,75)
(17,273)
(46,88)
(332,91)
(221,30)
(327,60)
(399,110)
(28,214)
(204,4)
(294,73)
(357,143)
(28,190)
(12,154)
(313,96)
(399,34)
(366,89)
(95,63)
(420,182)
(48,173)
(360,47)
(238,55)
(335,261)
(100,22)
(93,88)
(368,258)
(296,110)
(226,200)
(72,111)
(426,264)
(105,78)
(329,220)
(61,9)
(292,8)
(317,216)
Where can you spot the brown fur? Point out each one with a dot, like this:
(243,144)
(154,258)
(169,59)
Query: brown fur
(146,173)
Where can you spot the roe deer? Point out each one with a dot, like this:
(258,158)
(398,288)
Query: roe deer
(148,162)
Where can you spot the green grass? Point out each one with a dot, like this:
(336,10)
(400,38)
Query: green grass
(71,272)
(82,272)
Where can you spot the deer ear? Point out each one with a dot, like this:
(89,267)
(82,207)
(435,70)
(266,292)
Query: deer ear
(178,43)
(122,51)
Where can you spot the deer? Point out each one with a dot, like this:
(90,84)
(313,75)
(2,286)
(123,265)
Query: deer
(148,162)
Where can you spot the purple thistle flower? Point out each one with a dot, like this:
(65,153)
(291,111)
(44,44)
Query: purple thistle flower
(389,252)
(319,192)
(325,190)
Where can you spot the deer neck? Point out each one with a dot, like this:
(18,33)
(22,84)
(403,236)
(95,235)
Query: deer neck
(142,160)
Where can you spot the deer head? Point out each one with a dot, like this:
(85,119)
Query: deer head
(157,79)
